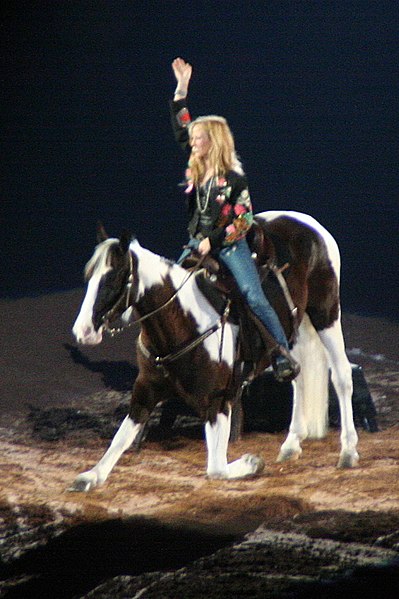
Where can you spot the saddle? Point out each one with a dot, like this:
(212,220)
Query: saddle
(218,285)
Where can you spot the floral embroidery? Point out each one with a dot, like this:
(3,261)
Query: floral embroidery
(224,190)
(183,117)
(239,209)
(236,219)
(227,192)
(239,228)
(244,200)
(225,211)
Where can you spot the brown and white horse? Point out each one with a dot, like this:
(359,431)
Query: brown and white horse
(126,279)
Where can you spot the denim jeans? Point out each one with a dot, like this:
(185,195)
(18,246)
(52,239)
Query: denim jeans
(191,245)
(240,263)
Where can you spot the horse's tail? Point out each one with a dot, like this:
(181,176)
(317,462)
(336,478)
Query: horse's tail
(312,382)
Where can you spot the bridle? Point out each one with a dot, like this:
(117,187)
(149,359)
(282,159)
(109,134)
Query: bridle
(110,313)
(159,361)
(105,319)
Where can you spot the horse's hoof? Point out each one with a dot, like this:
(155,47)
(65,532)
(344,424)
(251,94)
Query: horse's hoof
(255,463)
(348,459)
(83,483)
(247,466)
(79,486)
(286,455)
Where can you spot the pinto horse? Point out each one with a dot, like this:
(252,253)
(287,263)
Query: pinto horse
(187,348)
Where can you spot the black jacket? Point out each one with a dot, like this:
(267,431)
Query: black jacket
(229,202)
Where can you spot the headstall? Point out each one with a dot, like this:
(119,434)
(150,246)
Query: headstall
(115,330)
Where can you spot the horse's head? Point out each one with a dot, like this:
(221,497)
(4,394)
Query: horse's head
(109,275)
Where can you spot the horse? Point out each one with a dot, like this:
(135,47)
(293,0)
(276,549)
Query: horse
(188,349)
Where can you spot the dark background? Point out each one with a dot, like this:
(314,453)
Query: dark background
(310,89)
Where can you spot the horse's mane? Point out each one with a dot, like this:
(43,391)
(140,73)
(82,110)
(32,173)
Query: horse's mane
(100,258)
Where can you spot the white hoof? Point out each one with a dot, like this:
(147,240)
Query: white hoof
(247,466)
(288,454)
(255,463)
(84,482)
(348,459)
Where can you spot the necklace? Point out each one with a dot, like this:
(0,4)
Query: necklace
(203,207)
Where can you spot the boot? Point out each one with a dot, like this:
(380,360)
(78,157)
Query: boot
(285,368)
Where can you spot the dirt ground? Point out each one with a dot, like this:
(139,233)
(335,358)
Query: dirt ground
(164,488)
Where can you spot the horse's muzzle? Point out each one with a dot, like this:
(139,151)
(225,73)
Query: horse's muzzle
(87,335)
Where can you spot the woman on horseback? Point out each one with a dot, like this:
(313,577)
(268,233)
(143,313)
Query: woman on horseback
(220,211)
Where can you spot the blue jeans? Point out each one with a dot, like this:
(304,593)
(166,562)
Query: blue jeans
(191,245)
(240,263)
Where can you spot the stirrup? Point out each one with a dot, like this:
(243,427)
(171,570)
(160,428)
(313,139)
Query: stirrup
(285,368)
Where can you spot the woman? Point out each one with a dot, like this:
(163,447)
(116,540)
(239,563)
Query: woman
(220,211)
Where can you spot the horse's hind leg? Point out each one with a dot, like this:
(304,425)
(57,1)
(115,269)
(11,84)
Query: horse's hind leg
(341,376)
(291,448)
(310,393)
(217,439)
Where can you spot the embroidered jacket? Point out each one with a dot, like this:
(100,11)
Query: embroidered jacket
(230,208)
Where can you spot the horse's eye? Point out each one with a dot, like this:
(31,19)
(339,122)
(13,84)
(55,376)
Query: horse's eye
(109,280)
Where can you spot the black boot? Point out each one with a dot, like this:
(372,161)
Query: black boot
(285,368)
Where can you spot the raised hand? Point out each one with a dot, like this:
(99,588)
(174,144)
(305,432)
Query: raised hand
(182,71)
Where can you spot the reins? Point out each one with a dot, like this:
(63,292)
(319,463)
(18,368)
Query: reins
(116,330)
(162,362)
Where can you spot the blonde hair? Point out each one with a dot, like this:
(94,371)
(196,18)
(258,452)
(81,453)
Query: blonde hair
(222,154)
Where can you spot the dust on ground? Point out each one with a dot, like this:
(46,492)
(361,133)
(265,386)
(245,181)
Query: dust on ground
(165,483)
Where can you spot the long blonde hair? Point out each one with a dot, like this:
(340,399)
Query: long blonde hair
(222,154)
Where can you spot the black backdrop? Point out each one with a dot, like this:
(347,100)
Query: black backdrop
(309,88)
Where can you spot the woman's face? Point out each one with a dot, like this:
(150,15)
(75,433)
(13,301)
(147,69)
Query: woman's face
(200,142)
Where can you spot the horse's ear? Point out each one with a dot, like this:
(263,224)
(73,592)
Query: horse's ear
(125,239)
(102,235)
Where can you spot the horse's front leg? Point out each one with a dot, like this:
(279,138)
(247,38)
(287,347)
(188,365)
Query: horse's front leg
(126,434)
(217,439)
(142,404)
